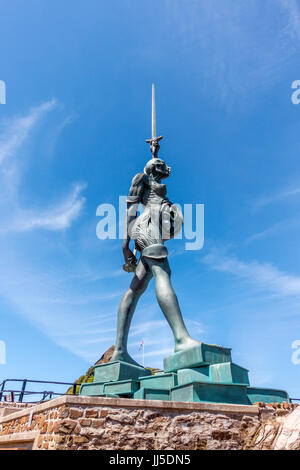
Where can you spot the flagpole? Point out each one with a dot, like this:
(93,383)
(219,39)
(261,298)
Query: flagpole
(143,353)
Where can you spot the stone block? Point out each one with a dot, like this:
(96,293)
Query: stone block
(152,394)
(118,370)
(121,388)
(267,395)
(210,393)
(200,355)
(92,389)
(226,372)
(160,381)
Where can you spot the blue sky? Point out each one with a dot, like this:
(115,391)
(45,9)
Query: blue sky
(78,77)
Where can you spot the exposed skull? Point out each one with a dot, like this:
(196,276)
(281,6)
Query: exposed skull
(157,167)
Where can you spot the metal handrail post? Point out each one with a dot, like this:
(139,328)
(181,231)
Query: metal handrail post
(2,388)
(22,391)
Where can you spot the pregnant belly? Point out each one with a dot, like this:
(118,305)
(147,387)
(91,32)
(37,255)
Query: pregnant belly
(158,223)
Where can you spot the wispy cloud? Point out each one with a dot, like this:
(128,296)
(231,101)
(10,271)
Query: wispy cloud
(276,197)
(157,352)
(292,9)
(59,217)
(17,130)
(263,276)
(238,44)
(275,229)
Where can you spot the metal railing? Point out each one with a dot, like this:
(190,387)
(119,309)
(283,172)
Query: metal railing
(295,399)
(18,395)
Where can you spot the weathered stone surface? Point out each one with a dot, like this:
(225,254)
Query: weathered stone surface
(288,434)
(104,423)
(74,413)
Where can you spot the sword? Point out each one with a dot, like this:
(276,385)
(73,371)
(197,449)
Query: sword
(154,145)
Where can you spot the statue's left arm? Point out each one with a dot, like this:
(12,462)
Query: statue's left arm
(133,200)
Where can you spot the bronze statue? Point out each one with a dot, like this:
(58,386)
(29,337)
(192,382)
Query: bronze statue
(159,222)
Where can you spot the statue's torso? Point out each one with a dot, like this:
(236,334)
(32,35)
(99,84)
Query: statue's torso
(154,192)
(154,226)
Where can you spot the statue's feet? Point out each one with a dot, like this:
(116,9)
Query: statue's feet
(124,357)
(186,343)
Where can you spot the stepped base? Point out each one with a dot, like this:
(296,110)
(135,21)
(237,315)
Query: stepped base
(200,355)
(204,373)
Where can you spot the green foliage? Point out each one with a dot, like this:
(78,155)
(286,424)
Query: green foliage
(87,378)
(152,370)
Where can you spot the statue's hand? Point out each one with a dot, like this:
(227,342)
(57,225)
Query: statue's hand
(130,259)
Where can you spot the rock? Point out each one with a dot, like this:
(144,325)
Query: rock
(106,357)
(288,436)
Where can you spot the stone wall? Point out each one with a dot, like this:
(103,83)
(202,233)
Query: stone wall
(95,423)
(8,408)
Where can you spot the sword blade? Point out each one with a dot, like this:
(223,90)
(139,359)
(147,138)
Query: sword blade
(153,112)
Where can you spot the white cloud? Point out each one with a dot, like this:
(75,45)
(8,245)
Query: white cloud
(15,217)
(292,9)
(17,130)
(277,197)
(156,352)
(263,276)
(57,218)
(275,229)
(233,40)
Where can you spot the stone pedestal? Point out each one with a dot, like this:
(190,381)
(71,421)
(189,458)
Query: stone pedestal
(204,373)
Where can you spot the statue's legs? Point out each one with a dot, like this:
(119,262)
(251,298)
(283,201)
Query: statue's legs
(139,284)
(168,302)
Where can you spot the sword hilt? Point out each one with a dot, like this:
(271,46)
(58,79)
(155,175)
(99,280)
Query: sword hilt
(154,145)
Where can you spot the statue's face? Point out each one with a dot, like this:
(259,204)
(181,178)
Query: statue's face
(160,169)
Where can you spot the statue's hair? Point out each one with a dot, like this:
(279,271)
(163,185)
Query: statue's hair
(150,164)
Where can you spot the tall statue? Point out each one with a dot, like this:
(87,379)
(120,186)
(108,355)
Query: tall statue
(159,222)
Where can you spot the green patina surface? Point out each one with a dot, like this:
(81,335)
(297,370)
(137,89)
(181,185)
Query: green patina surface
(210,393)
(123,387)
(202,374)
(202,355)
(161,381)
(227,373)
(118,370)
(267,395)
(152,394)
(92,389)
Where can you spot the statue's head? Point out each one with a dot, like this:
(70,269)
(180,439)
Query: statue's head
(157,168)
